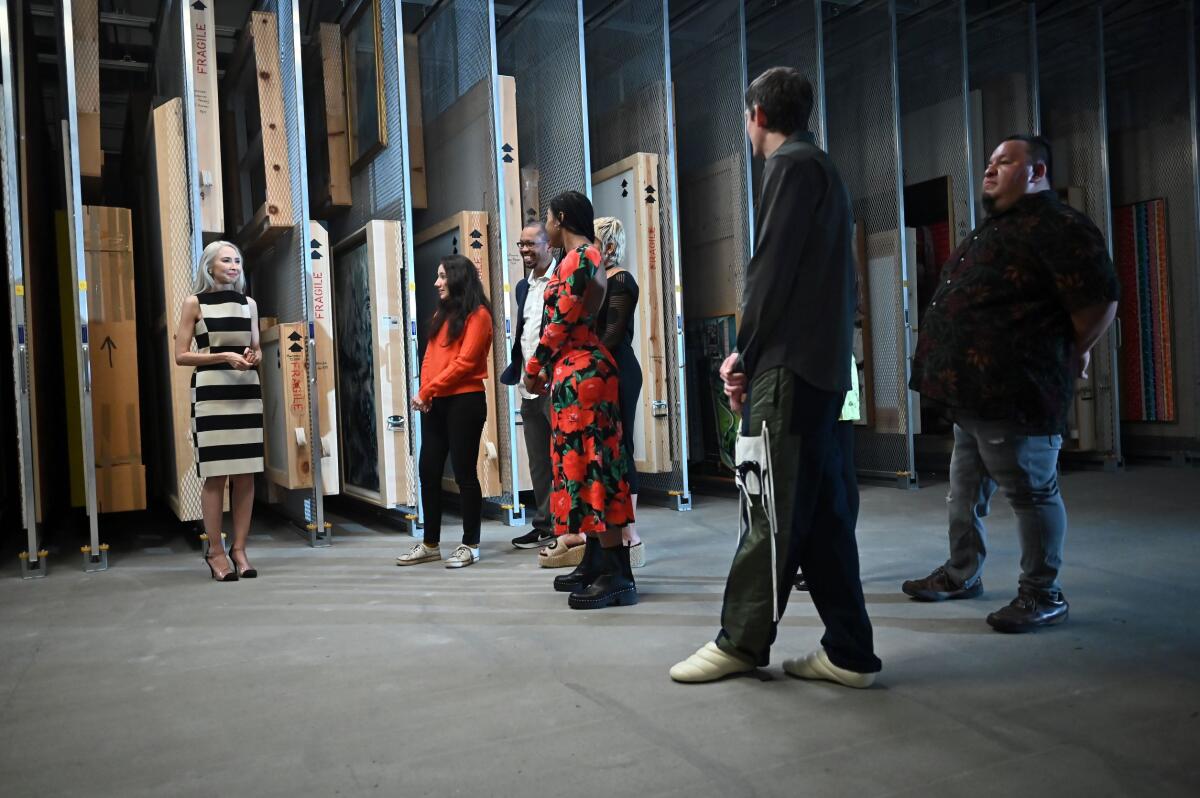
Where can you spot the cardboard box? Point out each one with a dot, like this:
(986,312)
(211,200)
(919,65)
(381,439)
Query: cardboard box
(121,488)
(116,409)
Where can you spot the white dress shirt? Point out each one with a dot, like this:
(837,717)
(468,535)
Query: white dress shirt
(531,333)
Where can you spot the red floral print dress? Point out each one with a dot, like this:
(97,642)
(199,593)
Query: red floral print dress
(590,492)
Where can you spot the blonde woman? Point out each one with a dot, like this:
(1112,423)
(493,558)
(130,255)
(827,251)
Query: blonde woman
(227,422)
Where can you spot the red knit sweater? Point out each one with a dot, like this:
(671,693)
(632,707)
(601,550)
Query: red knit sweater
(460,366)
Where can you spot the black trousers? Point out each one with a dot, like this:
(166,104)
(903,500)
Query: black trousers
(814,496)
(453,426)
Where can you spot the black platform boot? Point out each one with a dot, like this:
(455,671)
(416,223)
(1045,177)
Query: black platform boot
(588,569)
(612,588)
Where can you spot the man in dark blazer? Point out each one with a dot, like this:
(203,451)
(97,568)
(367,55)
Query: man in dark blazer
(534,247)
(789,378)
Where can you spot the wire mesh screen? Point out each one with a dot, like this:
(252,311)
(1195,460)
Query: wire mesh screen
(1002,77)
(861,110)
(707,63)
(936,117)
(458,77)
(629,111)
(1150,143)
(787,34)
(282,269)
(1071,61)
(542,51)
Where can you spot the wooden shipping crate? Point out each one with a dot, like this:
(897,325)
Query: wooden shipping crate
(326,370)
(202,34)
(284,376)
(255,140)
(464,233)
(326,117)
(377,455)
(171,275)
(418,194)
(628,190)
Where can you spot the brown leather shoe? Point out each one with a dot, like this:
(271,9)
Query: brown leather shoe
(938,586)
(1028,611)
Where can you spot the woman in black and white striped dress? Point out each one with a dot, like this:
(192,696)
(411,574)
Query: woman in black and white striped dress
(227,422)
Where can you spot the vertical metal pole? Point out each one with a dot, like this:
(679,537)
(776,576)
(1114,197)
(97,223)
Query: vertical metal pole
(1194,132)
(822,118)
(583,102)
(901,243)
(318,534)
(516,513)
(1110,338)
(414,427)
(1034,84)
(16,294)
(748,167)
(684,500)
(968,138)
(95,558)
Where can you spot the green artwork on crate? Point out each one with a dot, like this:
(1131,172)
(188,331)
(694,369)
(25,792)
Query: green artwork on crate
(727,430)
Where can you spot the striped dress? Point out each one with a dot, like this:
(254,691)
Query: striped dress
(227,411)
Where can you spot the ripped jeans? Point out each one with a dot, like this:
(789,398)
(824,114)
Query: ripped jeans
(991,454)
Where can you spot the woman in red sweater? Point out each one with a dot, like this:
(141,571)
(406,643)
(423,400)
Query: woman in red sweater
(453,408)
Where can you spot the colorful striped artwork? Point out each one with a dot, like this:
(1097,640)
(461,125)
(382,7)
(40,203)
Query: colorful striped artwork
(1147,376)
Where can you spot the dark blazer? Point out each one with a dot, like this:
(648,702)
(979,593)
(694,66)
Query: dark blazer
(516,362)
(799,297)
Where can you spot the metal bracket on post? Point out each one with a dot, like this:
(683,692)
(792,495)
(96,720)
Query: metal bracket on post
(683,501)
(95,560)
(34,567)
(320,539)
(514,514)
(906,480)
(1112,463)
(204,542)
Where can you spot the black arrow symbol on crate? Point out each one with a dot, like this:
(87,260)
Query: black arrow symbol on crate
(454,245)
(314,244)
(295,336)
(476,234)
(316,256)
(199,6)
(110,346)
(476,245)
(295,348)
(650,195)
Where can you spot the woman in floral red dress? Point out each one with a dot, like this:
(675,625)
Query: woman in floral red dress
(590,492)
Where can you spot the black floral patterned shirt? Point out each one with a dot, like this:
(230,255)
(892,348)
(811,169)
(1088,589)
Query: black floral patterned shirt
(996,339)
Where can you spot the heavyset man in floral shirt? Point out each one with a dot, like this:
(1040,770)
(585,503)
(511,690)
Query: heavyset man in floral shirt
(1019,306)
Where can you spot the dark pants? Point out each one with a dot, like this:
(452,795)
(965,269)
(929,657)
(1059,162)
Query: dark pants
(814,496)
(454,426)
(535,426)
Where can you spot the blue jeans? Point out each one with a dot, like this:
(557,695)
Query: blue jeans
(991,454)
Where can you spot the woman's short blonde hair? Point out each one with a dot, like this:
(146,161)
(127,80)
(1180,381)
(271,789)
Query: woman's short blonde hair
(609,230)
(204,280)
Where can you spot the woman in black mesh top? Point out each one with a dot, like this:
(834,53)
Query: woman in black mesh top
(614,325)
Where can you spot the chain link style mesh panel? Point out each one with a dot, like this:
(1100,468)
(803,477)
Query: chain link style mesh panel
(629,111)
(861,111)
(936,125)
(707,64)
(1071,63)
(282,270)
(456,54)
(1150,141)
(541,50)
(1001,72)
(787,34)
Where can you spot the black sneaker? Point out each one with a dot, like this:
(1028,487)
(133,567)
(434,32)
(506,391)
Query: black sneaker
(533,539)
(938,586)
(1029,611)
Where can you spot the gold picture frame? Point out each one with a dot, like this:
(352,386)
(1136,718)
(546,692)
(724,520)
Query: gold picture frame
(362,49)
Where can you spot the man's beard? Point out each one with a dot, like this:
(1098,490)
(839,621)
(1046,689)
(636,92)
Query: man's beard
(989,204)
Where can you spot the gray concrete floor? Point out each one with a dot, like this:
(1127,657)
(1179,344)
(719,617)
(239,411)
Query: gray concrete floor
(337,673)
